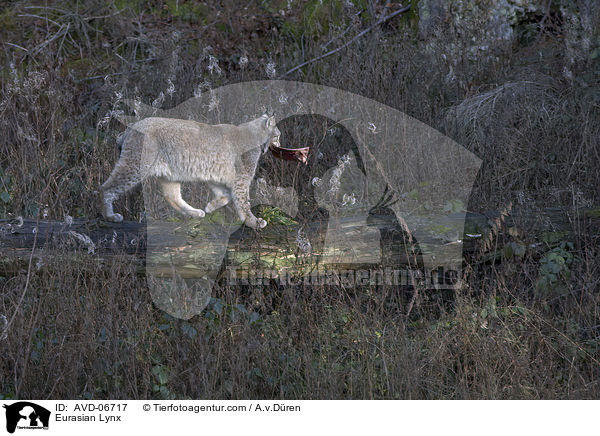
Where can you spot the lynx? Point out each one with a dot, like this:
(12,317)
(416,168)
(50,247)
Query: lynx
(224,155)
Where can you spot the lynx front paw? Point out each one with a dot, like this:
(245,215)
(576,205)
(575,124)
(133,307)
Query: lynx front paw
(115,218)
(255,223)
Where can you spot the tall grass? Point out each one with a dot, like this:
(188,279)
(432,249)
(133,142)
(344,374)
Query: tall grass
(523,326)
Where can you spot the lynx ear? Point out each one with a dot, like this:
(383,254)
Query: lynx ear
(271,121)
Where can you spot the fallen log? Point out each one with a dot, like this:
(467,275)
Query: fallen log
(277,245)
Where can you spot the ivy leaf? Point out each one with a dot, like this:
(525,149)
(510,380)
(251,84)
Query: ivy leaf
(189,330)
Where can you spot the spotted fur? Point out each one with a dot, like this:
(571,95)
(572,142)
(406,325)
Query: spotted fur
(224,155)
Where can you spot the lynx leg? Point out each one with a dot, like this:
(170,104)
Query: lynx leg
(222,198)
(118,183)
(172,193)
(241,199)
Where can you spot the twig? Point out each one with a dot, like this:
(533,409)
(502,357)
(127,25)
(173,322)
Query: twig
(546,15)
(99,17)
(412,300)
(40,17)
(28,276)
(385,9)
(68,13)
(102,76)
(324,46)
(37,226)
(58,34)
(350,26)
(329,53)
(15,45)
(46,7)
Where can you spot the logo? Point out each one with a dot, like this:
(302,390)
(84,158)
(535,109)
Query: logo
(26,415)
(415,177)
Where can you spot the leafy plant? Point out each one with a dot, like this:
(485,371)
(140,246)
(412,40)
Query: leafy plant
(275,215)
(162,373)
(555,268)
(514,249)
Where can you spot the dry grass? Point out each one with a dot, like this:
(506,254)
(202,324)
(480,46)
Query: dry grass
(90,330)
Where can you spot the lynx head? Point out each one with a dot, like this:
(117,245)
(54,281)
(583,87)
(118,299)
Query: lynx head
(270,127)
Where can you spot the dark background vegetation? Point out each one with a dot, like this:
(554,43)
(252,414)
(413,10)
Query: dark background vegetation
(517,86)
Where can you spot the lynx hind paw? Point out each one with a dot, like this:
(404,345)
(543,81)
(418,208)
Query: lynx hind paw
(261,223)
(115,218)
(210,208)
(196,213)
